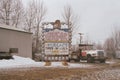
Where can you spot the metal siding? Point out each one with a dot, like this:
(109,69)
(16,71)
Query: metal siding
(15,39)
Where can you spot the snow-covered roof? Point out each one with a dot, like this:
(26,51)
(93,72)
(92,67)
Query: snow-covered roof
(3,26)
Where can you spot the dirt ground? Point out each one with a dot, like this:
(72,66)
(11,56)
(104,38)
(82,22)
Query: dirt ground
(98,72)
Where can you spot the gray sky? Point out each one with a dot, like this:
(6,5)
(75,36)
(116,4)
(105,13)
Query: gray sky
(97,17)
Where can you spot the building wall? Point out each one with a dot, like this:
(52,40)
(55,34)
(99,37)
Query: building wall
(118,54)
(16,39)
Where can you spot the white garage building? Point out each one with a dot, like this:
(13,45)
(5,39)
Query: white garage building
(15,41)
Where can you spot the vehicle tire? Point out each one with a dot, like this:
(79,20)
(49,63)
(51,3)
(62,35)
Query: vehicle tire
(102,61)
(90,59)
(68,60)
(77,60)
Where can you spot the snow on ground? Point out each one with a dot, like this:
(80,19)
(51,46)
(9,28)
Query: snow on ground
(19,62)
(81,65)
(110,62)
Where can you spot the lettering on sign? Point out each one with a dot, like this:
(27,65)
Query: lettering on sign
(56,36)
(56,48)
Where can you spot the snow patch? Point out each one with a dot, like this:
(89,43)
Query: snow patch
(80,65)
(16,62)
(110,62)
(20,62)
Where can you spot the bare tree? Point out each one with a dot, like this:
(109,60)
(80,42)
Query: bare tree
(10,12)
(40,11)
(112,44)
(30,16)
(70,18)
(116,38)
(35,14)
(109,47)
(6,10)
(17,16)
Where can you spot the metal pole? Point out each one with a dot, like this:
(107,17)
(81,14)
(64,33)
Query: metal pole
(80,37)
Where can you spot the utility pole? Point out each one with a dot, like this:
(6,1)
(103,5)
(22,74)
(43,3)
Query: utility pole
(80,42)
(80,37)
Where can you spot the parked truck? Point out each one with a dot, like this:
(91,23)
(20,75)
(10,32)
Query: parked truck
(89,55)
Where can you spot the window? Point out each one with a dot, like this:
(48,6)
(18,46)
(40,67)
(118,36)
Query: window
(13,50)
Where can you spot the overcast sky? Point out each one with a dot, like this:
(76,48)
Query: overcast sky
(97,17)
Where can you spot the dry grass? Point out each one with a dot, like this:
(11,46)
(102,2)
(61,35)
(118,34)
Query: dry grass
(61,73)
(41,74)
